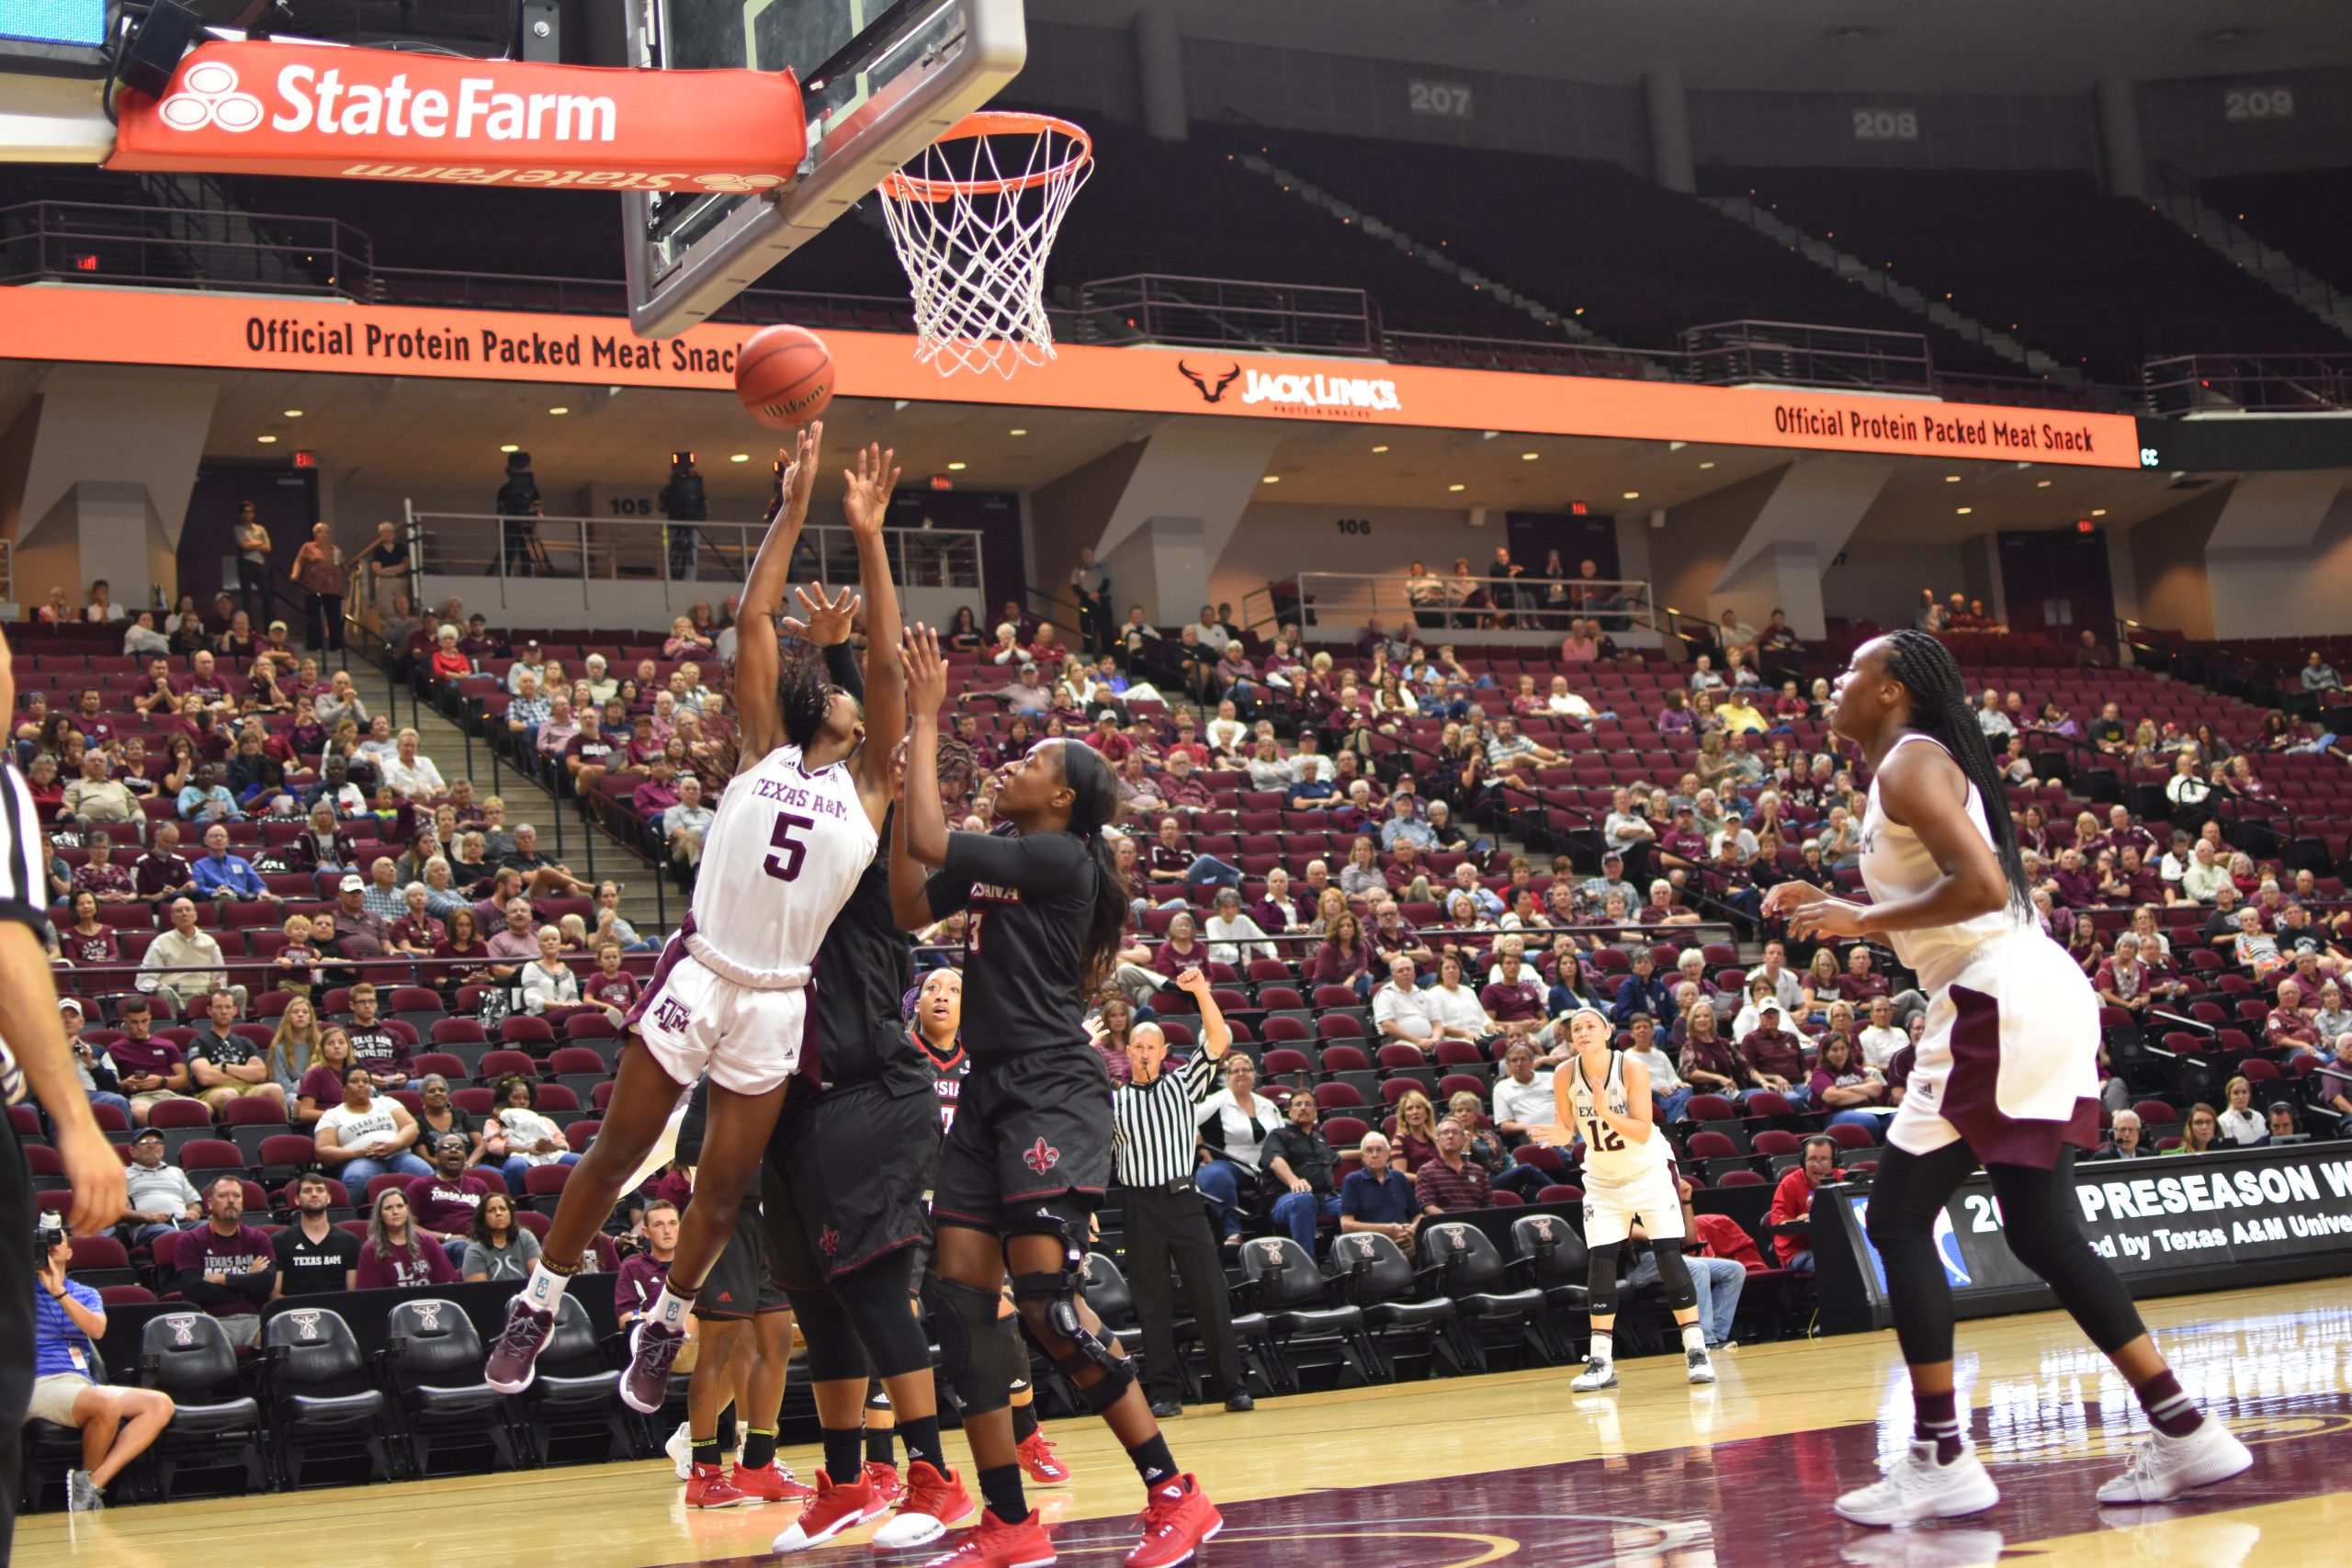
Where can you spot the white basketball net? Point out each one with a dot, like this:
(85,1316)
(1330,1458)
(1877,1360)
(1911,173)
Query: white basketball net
(972,218)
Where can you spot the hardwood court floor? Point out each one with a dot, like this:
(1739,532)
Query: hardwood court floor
(1510,1468)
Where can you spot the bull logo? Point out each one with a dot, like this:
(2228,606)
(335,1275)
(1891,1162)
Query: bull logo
(1210,394)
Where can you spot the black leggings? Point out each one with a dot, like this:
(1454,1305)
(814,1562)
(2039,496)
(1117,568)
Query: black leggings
(2040,1222)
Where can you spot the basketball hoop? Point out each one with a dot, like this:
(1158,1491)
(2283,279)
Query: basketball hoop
(973,217)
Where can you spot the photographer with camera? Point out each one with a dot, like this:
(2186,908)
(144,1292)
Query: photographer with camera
(117,1424)
(33,1059)
(682,502)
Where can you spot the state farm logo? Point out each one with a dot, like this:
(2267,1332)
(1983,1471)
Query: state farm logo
(208,95)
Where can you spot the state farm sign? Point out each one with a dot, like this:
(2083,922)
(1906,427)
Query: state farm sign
(371,114)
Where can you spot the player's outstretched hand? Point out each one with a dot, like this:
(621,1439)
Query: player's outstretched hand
(1192,980)
(868,499)
(1552,1136)
(799,464)
(1780,900)
(926,670)
(829,619)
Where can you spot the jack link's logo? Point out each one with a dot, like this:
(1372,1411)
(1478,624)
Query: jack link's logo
(671,1014)
(1210,394)
(209,97)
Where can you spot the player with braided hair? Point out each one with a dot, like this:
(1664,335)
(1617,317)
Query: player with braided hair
(2006,1074)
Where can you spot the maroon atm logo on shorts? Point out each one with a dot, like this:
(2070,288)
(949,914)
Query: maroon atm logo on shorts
(1042,1157)
(671,1014)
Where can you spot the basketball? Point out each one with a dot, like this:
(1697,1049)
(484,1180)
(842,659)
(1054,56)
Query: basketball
(784,376)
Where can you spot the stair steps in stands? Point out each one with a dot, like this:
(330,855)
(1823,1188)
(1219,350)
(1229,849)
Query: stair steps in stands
(2214,230)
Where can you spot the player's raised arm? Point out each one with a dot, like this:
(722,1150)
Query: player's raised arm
(925,688)
(866,503)
(758,716)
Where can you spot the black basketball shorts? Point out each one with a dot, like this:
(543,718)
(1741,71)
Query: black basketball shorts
(850,1165)
(740,1285)
(1027,1128)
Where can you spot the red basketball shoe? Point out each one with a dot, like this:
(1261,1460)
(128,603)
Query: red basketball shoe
(1178,1520)
(772,1483)
(890,1492)
(995,1544)
(1040,1463)
(709,1487)
(936,1502)
(835,1509)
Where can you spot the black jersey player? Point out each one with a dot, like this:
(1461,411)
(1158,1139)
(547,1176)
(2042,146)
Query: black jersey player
(1030,1153)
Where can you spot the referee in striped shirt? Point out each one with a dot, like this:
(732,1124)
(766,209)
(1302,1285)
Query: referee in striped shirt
(1155,1115)
(33,1059)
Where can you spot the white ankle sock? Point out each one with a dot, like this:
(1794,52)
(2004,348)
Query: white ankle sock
(1694,1337)
(1604,1346)
(545,1290)
(671,1311)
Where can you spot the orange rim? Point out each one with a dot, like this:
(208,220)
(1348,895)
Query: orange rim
(904,186)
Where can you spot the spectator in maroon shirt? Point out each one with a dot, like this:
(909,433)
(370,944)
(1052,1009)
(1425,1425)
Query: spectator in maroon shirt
(1344,958)
(611,987)
(1681,847)
(443,1205)
(227,1267)
(163,873)
(375,1045)
(642,1274)
(1778,1057)
(1452,1181)
(146,1069)
(1391,936)
(1861,984)
(103,874)
(1181,789)
(1793,1201)
(1183,949)
(1709,1063)
(416,933)
(1278,910)
(1514,998)
(396,1256)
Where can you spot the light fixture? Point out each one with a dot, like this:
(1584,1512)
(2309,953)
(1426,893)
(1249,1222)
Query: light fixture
(739,458)
(1528,457)
(2042,484)
(266,440)
(510,446)
(2099,511)
(1708,463)
(1272,479)
(1377,450)
(1633,495)
(1457,488)
(1016,432)
(558,408)
(1965,511)
(293,413)
(1951,479)
(956,467)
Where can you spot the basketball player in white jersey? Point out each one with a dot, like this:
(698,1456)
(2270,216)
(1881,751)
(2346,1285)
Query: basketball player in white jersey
(2006,1074)
(1603,1096)
(794,828)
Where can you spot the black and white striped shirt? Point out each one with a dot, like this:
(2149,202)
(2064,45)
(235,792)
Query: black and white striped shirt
(1156,1123)
(24,888)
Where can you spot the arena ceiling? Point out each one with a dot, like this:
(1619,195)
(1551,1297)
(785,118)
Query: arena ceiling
(1998,46)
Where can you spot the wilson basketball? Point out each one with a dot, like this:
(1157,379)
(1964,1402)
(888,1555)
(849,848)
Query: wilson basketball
(784,376)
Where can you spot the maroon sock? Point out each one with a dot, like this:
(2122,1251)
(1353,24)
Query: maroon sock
(2170,1410)
(1936,1420)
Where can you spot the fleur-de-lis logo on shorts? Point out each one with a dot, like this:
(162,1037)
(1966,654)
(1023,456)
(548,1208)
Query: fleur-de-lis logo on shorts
(1042,1157)
(828,1241)
(208,95)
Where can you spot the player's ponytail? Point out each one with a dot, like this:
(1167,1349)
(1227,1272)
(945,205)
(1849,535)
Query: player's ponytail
(1941,709)
(1094,805)
(804,694)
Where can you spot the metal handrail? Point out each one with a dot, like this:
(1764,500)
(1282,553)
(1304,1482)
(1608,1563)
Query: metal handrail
(2267,383)
(590,549)
(1300,603)
(82,240)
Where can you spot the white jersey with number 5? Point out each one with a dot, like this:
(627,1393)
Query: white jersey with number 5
(784,851)
(1611,1159)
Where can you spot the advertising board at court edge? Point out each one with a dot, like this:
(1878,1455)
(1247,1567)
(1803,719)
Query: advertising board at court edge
(98,326)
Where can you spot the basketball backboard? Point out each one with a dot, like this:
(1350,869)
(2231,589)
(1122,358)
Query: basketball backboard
(881,81)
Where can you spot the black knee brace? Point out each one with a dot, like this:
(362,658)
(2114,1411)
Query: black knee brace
(875,1300)
(978,1358)
(836,1354)
(1048,1308)
(1601,1281)
(1674,1275)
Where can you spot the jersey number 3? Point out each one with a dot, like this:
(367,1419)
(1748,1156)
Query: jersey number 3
(784,868)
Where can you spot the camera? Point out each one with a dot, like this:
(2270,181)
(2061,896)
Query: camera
(48,1234)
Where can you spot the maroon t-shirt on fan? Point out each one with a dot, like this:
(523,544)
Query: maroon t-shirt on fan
(617,990)
(448,1208)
